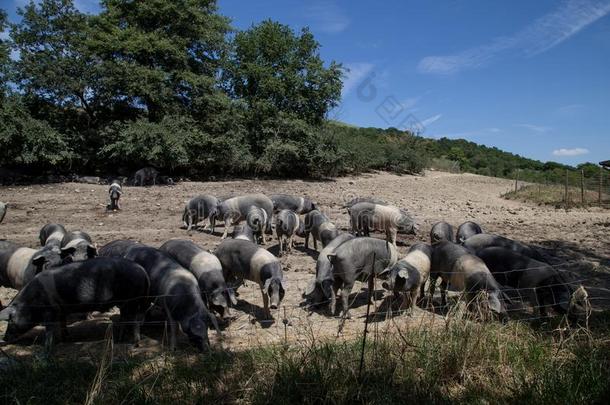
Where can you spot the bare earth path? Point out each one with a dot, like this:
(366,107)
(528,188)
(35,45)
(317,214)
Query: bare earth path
(152,215)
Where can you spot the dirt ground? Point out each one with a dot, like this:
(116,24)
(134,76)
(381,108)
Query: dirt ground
(579,238)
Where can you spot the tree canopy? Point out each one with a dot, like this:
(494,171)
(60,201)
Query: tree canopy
(170,83)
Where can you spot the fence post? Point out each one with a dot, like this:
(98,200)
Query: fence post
(601,175)
(582,186)
(516,179)
(565,197)
(366,320)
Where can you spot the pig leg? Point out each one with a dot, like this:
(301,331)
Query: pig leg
(53,324)
(290,243)
(189,221)
(443,293)
(128,321)
(414,297)
(333,302)
(228,223)
(345,292)
(212,223)
(391,235)
(422,293)
(315,243)
(432,287)
(307,240)
(266,305)
(540,304)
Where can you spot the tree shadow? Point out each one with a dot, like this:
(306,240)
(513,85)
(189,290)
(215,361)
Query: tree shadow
(575,264)
(314,254)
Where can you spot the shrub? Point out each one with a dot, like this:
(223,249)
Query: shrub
(26,141)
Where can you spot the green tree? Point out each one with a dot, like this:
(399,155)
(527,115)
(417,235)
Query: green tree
(274,70)
(29,142)
(161,57)
(4,56)
(55,65)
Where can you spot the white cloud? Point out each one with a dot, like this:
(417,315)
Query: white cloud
(355,73)
(535,128)
(543,34)
(326,16)
(570,152)
(431,120)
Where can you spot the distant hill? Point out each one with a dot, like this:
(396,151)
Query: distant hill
(394,149)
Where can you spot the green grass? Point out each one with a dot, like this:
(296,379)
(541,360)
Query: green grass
(464,361)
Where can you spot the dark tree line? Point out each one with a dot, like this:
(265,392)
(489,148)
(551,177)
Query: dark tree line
(170,83)
(167,83)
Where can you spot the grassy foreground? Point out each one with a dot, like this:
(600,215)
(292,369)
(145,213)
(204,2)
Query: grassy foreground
(464,361)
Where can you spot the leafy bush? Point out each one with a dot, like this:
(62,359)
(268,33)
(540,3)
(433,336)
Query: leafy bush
(28,142)
(176,143)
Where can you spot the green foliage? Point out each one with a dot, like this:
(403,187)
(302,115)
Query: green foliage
(4,56)
(26,141)
(287,90)
(164,82)
(276,70)
(55,65)
(174,143)
(372,148)
(160,57)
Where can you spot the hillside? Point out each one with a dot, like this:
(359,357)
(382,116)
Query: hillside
(392,149)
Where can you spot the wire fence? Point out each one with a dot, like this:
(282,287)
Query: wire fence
(576,188)
(301,323)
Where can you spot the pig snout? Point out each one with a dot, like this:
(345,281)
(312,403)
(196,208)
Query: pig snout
(274,300)
(275,297)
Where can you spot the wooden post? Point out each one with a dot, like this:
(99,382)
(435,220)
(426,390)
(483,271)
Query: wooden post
(601,176)
(516,179)
(582,186)
(366,320)
(565,197)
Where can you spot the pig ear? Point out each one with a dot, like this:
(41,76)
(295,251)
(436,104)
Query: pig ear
(6,313)
(403,274)
(67,251)
(310,287)
(91,251)
(266,286)
(39,260)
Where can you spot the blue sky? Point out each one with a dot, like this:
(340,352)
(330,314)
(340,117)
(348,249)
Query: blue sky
(530,77)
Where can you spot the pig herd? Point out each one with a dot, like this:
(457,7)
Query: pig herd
(196,288)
